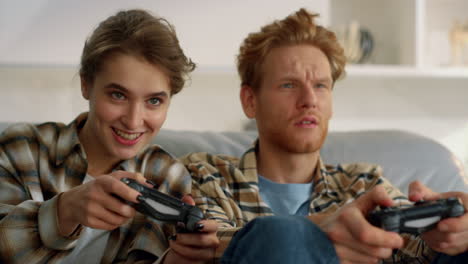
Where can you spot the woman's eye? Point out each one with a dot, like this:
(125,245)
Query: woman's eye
(287,85)
(117,95)
(154,101)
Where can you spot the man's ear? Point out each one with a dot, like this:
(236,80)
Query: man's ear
(247,97)
(84,88)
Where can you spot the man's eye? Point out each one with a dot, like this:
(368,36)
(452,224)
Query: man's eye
(117,95)
(154,101)
(287,85)
(321,85)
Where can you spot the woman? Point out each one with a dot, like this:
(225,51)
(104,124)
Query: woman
(61,198)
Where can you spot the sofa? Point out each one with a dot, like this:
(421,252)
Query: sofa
(404,156)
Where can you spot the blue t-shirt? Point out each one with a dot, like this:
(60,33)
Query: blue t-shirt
(285,198)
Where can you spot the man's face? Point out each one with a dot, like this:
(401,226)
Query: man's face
(128,100)
(293,104)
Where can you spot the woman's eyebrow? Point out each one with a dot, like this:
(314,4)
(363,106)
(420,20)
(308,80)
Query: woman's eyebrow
(126,91)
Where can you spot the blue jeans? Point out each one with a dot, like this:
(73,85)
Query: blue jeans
(280,239)
(446,259)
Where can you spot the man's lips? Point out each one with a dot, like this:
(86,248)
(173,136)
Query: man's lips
(307,122)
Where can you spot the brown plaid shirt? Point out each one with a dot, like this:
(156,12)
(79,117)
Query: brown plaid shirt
(226,188)
(37,163)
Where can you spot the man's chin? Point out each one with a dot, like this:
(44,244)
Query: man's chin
(304,149)
(301,146)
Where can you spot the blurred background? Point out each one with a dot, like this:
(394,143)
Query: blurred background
(408,61)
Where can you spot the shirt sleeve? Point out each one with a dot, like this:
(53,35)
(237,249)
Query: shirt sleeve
(28,228)
(217,209)
(150,238)
(49,230)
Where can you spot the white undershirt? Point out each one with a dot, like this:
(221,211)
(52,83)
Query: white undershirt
(90,246)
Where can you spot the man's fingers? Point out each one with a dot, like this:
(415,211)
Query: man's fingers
(363,231)
(376,196)
(462,197)
(353,256)
(418,191)
(449,243)
(361,248)
(453,224)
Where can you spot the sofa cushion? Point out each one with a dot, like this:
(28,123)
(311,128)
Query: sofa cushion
(404,156)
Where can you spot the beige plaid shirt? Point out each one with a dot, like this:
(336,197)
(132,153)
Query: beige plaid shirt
(37,163)
(226,188)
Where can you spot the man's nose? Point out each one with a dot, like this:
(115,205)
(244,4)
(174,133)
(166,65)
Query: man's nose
(307,97)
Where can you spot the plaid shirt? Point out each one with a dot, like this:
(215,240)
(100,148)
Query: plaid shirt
(226,188)
(37,163)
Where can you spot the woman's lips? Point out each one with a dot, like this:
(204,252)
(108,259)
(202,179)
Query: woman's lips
(126,138)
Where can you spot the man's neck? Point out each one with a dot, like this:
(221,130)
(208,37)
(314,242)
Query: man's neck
(281,166)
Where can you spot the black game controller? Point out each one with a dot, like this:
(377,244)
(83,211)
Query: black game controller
(165,208)
(418,218)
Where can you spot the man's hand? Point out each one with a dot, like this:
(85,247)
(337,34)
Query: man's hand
(354,238)
(451,234)
(196,247)
(98,203)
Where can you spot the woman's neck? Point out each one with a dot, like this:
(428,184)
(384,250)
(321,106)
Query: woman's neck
(98,162)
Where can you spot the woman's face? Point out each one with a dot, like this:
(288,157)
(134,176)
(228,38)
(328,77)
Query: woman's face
(128,103)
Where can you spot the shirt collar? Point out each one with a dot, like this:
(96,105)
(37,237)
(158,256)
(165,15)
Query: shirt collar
(323,185)
(248,166)
(68,139)
(248,163)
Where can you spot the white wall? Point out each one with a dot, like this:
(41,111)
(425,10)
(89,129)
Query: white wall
(434,107)
(53,31)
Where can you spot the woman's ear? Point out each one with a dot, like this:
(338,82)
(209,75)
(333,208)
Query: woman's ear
(84,88)
(247,97)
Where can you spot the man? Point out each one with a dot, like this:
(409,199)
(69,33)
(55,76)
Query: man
(288,71)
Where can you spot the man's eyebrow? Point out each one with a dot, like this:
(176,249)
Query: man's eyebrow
(125,90)
(324,79)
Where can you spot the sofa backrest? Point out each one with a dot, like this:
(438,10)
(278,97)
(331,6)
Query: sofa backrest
(404,156)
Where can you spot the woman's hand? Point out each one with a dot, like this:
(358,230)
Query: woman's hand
(197,247)
(99,203)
